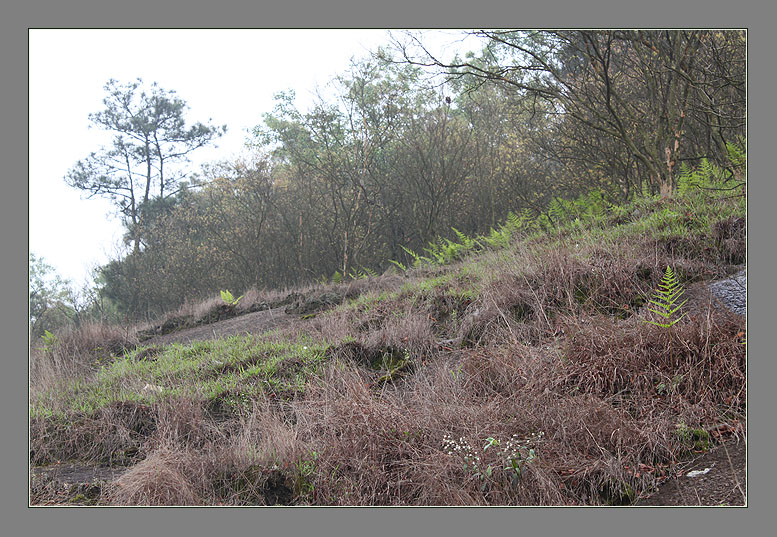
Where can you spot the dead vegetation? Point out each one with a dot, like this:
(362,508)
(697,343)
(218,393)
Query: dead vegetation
(535,361)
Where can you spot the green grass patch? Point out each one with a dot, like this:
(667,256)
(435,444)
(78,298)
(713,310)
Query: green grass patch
(201,369)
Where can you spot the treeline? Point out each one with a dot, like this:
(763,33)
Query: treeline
(404,147)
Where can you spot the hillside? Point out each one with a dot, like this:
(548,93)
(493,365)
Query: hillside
(513,369)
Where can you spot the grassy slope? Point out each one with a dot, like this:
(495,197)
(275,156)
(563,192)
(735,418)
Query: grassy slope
(533,350)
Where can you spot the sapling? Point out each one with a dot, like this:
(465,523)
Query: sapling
(228,298)
(49,341)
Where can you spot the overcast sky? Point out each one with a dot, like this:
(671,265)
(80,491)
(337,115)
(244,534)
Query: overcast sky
(227,76)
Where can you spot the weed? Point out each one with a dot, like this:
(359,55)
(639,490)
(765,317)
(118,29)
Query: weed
(229,299)
(49,341)
(663,388)
(303,482)
(514,456)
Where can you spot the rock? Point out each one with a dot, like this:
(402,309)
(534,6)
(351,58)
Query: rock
(697,473)
(732,292)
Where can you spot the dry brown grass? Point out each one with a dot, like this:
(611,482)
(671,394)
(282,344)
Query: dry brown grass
(411,330)
(114,434)
(192,460)
(552,342)
(700,362)
(597,394)
(523,299)
(348,441)
(75,353)
(159,479)
(385,447)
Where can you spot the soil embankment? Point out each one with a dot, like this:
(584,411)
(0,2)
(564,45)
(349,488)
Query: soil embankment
(250,323)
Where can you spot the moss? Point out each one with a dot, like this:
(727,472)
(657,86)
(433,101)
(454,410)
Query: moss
(81,499)
(85,494)
(692,439)
(701,439)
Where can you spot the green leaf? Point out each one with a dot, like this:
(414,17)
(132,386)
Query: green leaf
(228,298)
(399,265)
(490,441)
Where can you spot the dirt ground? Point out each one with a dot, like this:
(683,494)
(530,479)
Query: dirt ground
(70,484)
(251,323)
(720,480)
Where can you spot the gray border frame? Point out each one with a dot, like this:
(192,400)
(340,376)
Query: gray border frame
(18,519)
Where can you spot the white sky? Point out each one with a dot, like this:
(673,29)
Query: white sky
(227,76)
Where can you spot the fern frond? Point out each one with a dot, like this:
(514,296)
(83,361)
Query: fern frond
(667,297)
(466,241)
(410,252)
(399,265)
(418,259)
(556,210)
(513,220)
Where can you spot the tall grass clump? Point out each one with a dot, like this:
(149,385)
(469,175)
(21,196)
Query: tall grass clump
(76,352)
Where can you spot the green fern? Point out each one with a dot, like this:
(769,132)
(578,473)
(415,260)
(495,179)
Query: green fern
(737,154)
(399,265)
(707,175)
(557,210)
(704,175)
(666,297)
(441,252)
(418,259)
(467,242)
(497,239)
(543,223)
(685,178)
(362,273)
(49,341)
(514,221)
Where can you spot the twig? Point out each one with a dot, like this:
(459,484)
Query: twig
(507,323)
(539,302)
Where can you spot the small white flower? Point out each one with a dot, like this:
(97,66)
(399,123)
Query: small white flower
(152,388)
